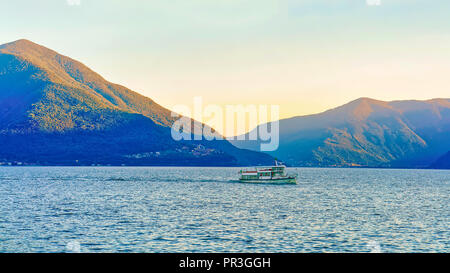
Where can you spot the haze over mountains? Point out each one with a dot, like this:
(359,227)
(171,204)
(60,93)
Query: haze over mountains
(367,132)
(56,111)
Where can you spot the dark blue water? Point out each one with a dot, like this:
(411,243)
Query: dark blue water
(106,209)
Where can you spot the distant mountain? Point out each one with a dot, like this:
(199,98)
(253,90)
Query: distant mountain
(56,111)
(442,163)
(366,132)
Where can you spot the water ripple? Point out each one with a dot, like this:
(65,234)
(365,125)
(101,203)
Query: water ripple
(126,209)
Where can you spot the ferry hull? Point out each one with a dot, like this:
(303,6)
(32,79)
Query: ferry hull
(270,181)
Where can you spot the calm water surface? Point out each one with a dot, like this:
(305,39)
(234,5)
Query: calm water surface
(107,209)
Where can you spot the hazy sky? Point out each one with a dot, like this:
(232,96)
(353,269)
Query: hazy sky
(307,56)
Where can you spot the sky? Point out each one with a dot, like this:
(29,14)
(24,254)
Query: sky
(305,55)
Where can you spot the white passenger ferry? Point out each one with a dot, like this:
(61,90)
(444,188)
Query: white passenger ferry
(268,175)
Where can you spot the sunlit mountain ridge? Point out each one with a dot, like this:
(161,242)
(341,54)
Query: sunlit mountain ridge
(56,111)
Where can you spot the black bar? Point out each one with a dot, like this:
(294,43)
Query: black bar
(187,262)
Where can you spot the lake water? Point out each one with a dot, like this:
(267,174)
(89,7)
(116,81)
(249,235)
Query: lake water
(108,209)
